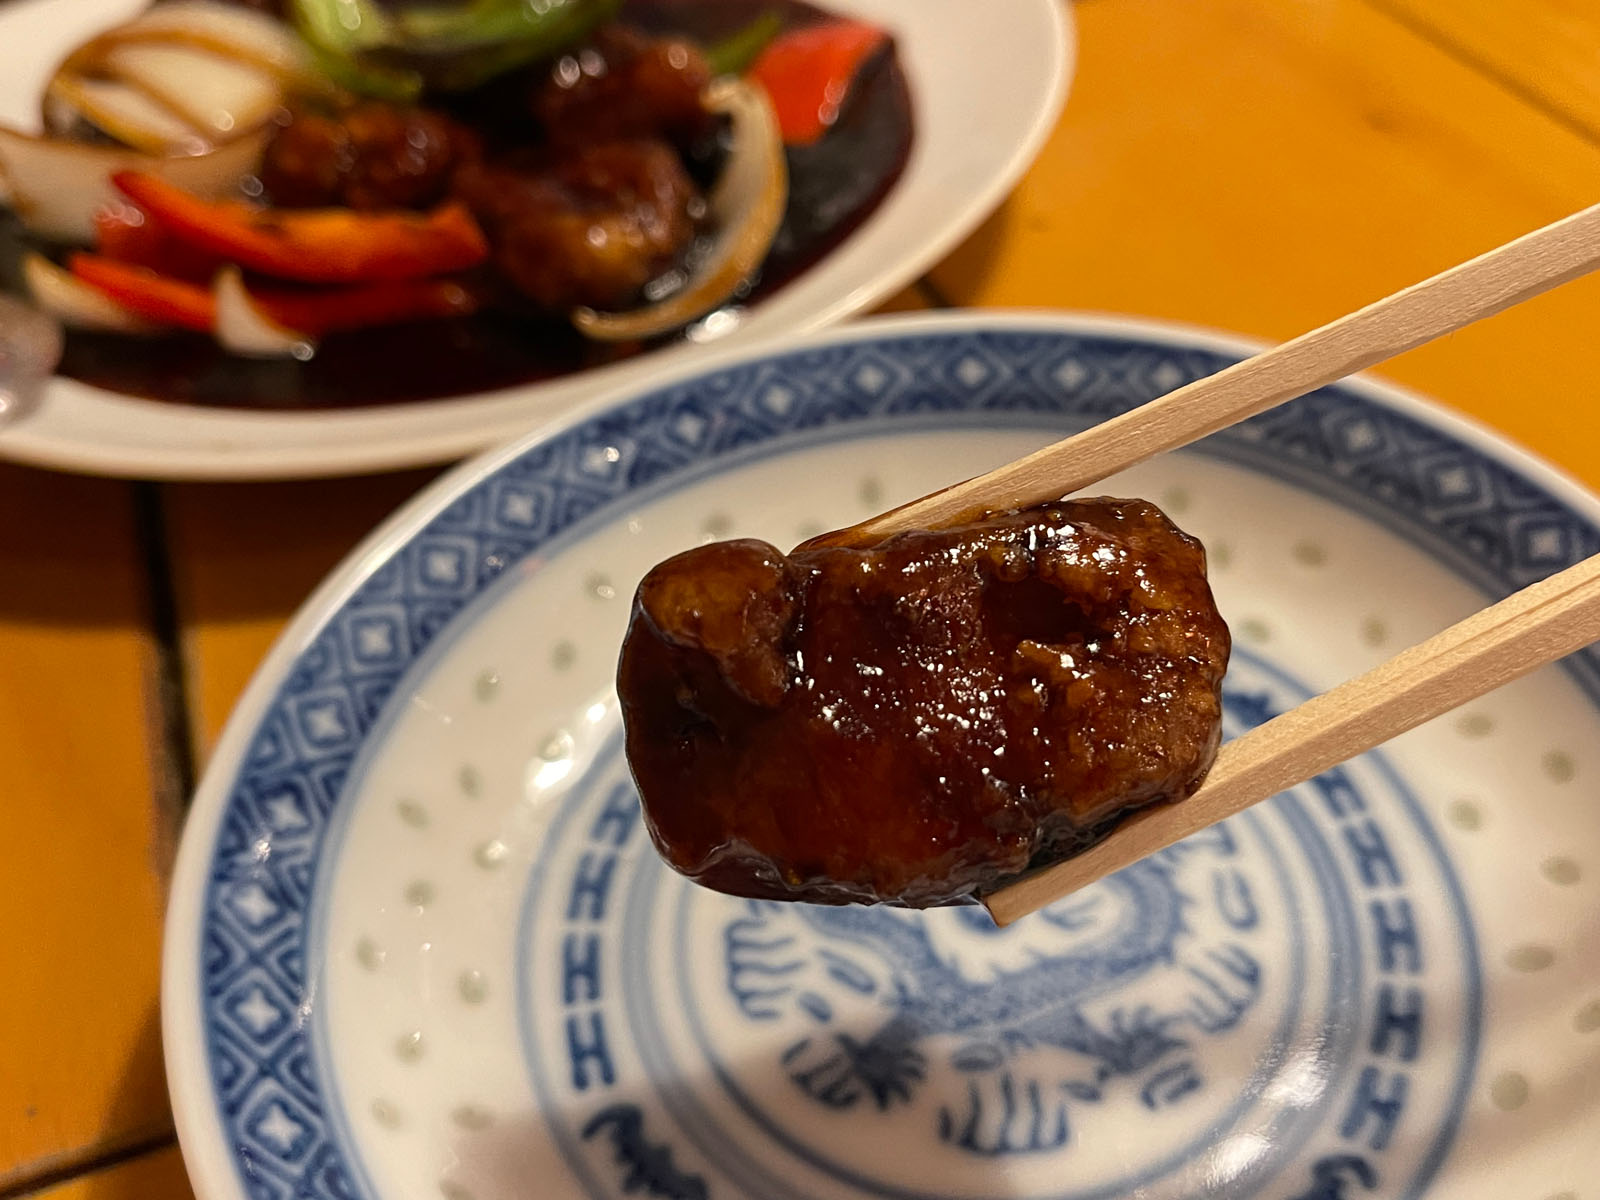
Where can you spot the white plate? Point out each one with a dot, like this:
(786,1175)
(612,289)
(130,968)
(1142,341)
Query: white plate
(987,84)
(419,945)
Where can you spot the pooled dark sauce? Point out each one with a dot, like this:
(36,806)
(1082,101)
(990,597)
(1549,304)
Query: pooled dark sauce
(920,719)
(834,186)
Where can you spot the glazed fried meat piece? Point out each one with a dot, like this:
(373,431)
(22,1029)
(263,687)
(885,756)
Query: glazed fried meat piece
(585,207)
(591,228)
(624,85)
(921,719)
(371,155)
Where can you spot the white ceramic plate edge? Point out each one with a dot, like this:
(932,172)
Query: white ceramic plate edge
(205,1153)
(69,431)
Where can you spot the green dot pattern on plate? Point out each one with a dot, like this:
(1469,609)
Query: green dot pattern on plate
(1561,870)
(871,492)
(1509,1090)
(1375,631)
(369,954)
(470,781)
(563,655)
(1219,555)
(491,854)
(1558,766)
(1530,958)
(1465,814)
(717,525)
(473,986)
(486,686)
(1563,1196)
(470,1116)
(1587,1018)
(412,812)
(1475,725)
(408,1047)
(808,530)
(419,893)
(557,746)
(455,1191)
(1255,629)
(1310,554)
(600,587)
(1175,499)
(386,1114)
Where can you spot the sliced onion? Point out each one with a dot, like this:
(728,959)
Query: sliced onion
(228,30)
(56,187)
(123,112)
(244,329)
(181,76)
(746,206)
(220,96)
(73,302)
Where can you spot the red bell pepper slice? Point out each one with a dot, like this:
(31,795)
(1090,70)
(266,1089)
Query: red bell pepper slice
(807,72)
(331,310)
(190,305)
(329,245)
(124,233)
(141,291)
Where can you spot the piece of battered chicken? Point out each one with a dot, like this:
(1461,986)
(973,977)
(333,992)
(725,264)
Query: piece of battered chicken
(918,720)
(586,206)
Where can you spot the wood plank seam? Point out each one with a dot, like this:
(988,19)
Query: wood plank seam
(931,292)
(64,1172)
(174,755)
(1441,39)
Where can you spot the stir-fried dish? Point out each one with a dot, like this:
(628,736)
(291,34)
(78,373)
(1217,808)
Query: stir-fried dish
(348,201)
(920,719)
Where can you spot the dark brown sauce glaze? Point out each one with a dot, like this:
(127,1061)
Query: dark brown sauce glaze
(834,186)
(920,719)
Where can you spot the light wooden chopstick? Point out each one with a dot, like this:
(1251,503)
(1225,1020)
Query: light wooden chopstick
(1481,287)
(1535,626)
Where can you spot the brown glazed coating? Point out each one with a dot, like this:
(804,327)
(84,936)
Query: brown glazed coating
(590,228)
(370,155)
(585,205)
(622,86)
(918,720)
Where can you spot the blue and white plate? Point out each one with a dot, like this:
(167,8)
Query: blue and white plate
(419,945)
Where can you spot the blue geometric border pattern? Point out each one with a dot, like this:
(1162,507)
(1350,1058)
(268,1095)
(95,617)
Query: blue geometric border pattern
(1481,517)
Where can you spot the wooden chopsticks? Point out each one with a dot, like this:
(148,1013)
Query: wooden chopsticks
(1535,626)
(1481,287)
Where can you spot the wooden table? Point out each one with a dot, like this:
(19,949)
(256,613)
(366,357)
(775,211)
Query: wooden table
(1258,167)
